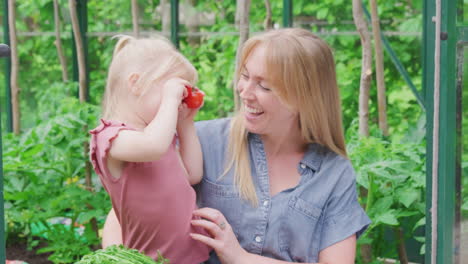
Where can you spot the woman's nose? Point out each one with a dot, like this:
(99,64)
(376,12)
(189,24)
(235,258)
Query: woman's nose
(245,90)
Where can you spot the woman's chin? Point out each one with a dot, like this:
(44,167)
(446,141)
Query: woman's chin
(254,123)
(252,127)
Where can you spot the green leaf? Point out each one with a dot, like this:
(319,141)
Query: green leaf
(402,213)
(382,204)
(16,196)
(322,13)
(421,222)
(387,218)
(362,178)
(412,24)
(407,195)
(17,183)
(33,150)
(465,205)
(86,216)
(421,239)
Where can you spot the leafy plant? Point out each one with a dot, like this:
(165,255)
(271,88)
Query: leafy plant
(120,255)
(393,175)
(44,179)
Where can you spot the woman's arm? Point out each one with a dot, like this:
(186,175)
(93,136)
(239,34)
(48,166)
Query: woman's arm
(112,231)
(229,251)
(342,252)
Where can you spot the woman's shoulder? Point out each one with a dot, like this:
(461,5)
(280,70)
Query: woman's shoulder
(323,160)
(213,127)
(213,136)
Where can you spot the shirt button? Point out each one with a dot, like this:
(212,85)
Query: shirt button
(303,165)
(258,239)
(265,203)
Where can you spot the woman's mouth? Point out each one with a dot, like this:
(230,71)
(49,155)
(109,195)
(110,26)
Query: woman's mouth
(252,112)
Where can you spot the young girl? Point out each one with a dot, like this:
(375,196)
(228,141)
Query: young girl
(134,149)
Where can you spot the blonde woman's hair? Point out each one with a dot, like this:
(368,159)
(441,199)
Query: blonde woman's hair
(301,70)
(152,58)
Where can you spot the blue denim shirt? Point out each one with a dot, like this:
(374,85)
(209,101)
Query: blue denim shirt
(295,224)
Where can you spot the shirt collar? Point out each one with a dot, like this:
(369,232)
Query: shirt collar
(312,158)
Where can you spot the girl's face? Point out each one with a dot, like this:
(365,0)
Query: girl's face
(148,103)
(263,111)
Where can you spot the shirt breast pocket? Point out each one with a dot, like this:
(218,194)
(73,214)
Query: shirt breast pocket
(224,198)
(299,232)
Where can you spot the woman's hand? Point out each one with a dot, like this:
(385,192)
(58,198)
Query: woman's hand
(223,239)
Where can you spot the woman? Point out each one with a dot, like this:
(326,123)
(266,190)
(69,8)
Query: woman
(277,184)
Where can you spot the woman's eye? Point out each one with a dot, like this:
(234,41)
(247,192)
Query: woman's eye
(263,87)
(245,76)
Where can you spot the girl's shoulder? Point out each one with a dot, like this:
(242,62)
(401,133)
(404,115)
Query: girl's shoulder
(106,124)
(107,131)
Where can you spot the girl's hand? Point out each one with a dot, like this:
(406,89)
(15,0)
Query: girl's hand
(174,88)
(222,240)
(186,113)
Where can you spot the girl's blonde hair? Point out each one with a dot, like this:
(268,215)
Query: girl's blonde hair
(302,73)
(153,59)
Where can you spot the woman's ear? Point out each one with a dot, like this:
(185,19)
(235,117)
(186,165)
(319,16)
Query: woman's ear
(132,84)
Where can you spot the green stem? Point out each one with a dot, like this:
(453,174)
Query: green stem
(370,193)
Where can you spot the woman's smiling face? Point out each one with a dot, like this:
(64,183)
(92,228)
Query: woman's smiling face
(264,113)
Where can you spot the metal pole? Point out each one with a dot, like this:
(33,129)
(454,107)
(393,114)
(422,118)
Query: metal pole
(447,136)
(428,88)
(5,53)
(287,13)
(175,22)
(82,9)
(6,36)
(444,246)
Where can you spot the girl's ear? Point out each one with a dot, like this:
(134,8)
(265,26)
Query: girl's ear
(132,84)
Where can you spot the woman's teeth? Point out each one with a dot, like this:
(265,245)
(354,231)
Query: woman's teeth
(253,110)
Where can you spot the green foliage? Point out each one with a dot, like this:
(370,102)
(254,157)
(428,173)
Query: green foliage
(464,132)
(44,179)
(215,53)
(393,176)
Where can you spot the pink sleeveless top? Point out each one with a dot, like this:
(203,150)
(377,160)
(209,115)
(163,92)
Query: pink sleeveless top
(153,201)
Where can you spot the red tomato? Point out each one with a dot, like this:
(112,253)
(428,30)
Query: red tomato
(194,97)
